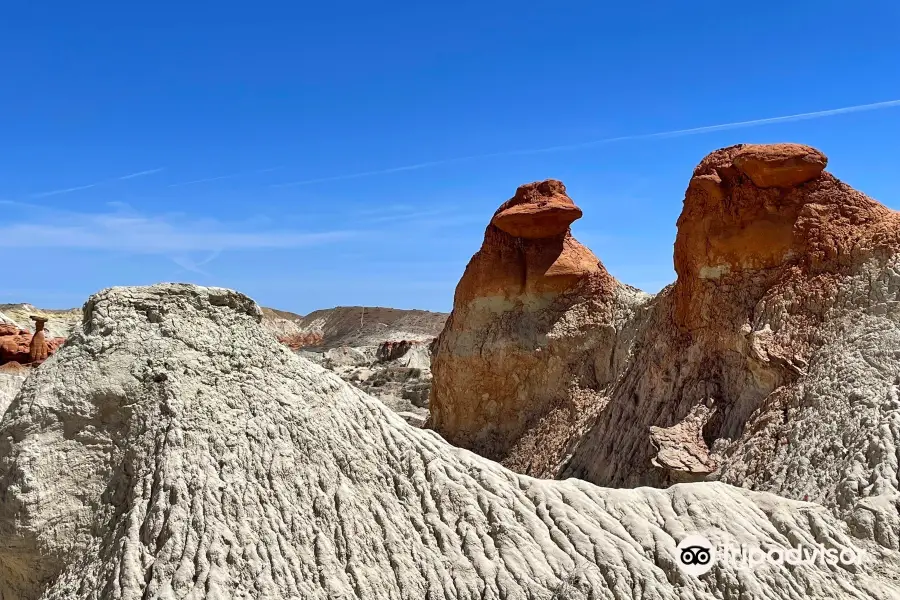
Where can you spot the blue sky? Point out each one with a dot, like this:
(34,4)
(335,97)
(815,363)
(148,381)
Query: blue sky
(264,146)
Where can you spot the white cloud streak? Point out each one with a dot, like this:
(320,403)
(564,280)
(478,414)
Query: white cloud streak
(96,184)
(140,174)
(188,264)
(221,177)
(820,114)
(65,190)
(136,233)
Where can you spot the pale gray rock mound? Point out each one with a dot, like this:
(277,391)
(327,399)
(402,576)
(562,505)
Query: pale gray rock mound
(10,382)
(174,449)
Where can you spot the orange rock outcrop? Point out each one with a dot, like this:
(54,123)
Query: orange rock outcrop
(510,368)
(22,347)
(768,250)
(774,351)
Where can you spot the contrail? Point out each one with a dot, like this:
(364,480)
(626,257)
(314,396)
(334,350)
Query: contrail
(221,177)
(65,191)
(95,184)
(140,174)
(820,114)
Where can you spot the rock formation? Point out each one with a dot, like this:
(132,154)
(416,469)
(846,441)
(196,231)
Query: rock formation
(37,348)
(770,363)
(18,345)
(363,326)
(394,349)
(539,331)
(173,449)
(296,341)
(397,373)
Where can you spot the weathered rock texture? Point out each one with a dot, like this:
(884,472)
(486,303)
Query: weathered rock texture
(12,375)
(773,362)
(395,349)
(396,372)
(538,333)
(383,351)
(173,449)
(281,323)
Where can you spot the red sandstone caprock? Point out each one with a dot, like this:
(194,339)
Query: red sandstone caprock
(538,210)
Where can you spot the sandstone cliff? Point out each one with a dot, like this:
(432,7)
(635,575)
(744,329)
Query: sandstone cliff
(770,363)
(173,449)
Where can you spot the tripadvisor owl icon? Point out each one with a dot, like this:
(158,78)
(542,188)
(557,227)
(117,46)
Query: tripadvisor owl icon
(695,555)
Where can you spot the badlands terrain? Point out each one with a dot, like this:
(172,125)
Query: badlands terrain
(185,443)
(384,351)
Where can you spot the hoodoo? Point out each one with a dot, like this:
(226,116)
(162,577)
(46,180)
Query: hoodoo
(770,363)
(535,338)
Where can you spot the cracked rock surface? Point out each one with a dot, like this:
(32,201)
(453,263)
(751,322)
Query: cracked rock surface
(174,449)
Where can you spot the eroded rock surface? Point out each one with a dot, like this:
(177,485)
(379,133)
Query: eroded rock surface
(396,372)
(784,324)
(12,375)
(174,449)
(771,363)
(364,326)
(538,333)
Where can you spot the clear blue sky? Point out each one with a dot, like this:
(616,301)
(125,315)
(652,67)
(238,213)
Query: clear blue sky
(153,142)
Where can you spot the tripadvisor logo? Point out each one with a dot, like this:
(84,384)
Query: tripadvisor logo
(696,555)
